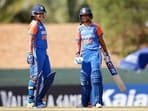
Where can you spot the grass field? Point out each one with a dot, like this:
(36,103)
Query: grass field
(76,109)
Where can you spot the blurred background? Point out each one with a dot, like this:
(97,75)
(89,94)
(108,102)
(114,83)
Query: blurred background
(125,26)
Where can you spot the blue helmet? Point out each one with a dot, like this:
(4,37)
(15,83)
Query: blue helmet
(38,9)
(85,11)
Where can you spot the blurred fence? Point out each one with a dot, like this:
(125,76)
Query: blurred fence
(19,77)
(66,89)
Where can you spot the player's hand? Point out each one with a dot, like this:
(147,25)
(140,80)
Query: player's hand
(30,58)
(78,60)
(77,54)
(107,58)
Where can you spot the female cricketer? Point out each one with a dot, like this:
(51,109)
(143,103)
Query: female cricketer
(90,40)
(41,76)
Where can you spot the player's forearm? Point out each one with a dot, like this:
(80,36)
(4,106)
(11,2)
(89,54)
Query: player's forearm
(78,47)
(30,44)
(30,48)
(104,49)
(103,45)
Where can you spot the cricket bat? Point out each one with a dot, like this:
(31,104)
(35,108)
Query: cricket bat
(115,76)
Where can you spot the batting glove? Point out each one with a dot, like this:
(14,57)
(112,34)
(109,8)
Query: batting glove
(30,58)
(78,60)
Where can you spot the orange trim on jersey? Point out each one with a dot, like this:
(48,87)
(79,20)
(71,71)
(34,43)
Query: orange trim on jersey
(33,28)
(99,30)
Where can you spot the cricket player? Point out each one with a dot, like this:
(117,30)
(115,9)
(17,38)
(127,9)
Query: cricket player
(41,76)
(89,39)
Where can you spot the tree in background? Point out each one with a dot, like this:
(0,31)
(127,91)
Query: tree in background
(123,22)
(58,11)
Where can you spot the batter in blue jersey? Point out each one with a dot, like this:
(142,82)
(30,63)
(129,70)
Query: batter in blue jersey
(89,39)
(41,76)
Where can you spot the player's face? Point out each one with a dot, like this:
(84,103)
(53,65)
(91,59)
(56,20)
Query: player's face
(40,16)
(85,18)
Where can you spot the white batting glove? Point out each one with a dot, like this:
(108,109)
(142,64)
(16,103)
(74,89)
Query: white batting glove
(78,60)
(30,58)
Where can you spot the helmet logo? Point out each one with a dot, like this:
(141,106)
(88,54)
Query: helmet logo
(41,8)
(83,11)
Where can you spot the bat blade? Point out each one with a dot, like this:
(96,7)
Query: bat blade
(115,76)
(119,82)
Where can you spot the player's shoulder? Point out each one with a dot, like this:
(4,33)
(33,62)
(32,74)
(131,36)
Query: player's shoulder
(98,28)
(96,25)
(79,27)
(33,23)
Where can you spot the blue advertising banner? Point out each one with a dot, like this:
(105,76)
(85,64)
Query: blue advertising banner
(69,96)
(135,95)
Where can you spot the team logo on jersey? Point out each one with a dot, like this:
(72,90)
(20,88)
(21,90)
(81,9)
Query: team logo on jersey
(44,35)
(88,33)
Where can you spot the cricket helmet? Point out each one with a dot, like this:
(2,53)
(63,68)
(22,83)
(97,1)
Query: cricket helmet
(85,11)
(38,8)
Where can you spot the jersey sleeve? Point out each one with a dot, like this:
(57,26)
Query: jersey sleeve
(33,28)
(99,30)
